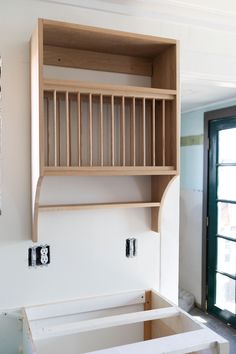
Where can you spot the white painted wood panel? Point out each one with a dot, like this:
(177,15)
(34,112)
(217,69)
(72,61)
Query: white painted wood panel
(121,330)
(101,323)
(85,305)
(177,344)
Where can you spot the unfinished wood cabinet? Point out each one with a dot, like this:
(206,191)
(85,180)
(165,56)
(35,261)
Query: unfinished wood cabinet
(97,129)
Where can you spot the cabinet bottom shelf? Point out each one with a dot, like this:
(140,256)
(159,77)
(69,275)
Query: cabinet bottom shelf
(119,205)
(109,171)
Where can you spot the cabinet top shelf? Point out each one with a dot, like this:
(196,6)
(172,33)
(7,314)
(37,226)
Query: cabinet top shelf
(62,34)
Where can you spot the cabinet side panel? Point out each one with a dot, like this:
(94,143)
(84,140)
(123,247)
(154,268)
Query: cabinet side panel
(27,341)
(36,107)
(169,230)
(178,107)
(165,69)
(170,133)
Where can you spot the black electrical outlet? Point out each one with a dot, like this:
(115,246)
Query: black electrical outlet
(39,256)
(131,247)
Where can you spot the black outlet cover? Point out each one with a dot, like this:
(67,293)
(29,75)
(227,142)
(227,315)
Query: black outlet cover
(37,252)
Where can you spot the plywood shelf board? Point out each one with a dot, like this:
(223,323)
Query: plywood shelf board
(109,171)
(107,89)
(118,205)
(67,35)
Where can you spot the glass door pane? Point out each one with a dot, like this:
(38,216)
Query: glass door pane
(226,256)
(227,145)
(225,293)
(227,220)
(227,182)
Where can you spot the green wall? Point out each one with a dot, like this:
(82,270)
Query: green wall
(192,130)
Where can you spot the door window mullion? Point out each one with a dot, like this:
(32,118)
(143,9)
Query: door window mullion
(233,277)
(226,238)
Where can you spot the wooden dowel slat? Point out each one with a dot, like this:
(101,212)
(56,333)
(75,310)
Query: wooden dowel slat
(144,131)
(101,130)
(133,141)
(90,131)
(70,140)
(112,132)
(78,129)
(123,130)
(55,125)
(163,133)
(48,133)
(58,131)
(153,132)
(67,130)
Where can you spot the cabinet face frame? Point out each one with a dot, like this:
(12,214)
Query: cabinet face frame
(56,43)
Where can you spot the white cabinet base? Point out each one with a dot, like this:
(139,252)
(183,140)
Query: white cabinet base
(137,322)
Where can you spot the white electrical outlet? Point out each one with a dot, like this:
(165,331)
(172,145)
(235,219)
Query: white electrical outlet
(39,256)
(44,255)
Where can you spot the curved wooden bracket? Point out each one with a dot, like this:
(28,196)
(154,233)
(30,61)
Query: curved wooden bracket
(35,210)
(158,189)
(163,199)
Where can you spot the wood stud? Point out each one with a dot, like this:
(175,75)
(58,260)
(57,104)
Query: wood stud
(148,324)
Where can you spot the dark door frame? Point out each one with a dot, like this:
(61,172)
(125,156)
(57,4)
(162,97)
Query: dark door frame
(228,112)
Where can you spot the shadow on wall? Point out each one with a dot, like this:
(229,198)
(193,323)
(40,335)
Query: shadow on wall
(10,332)
(190,257)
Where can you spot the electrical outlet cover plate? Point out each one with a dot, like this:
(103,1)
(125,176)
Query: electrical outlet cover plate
(39,256)
(131,247)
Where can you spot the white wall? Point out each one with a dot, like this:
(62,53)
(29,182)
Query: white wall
(76,272)
(10,333)
(87,248)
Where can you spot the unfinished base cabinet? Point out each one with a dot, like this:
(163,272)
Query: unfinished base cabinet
(100,129)
(137,322)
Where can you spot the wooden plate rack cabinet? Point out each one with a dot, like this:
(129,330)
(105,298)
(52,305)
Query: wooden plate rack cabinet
(93,129)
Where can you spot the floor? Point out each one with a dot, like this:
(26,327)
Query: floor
(217,326)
